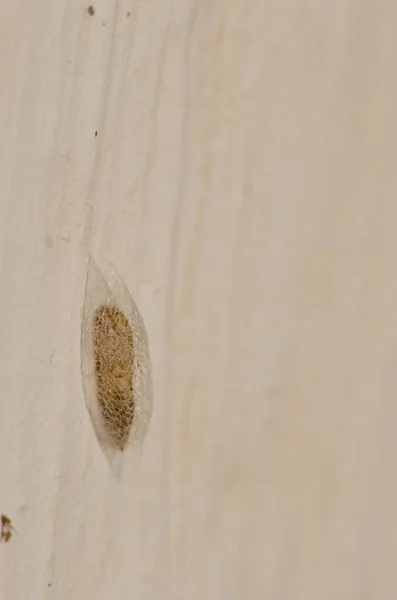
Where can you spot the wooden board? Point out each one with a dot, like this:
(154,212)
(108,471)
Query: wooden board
(236,162)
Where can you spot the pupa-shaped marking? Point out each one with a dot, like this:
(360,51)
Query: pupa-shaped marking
(115,362)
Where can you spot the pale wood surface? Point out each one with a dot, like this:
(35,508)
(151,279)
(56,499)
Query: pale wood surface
(243,182)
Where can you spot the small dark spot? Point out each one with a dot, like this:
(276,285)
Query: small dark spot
(128,14)
(48,584)
(96,134)
(91,10)
(6,529)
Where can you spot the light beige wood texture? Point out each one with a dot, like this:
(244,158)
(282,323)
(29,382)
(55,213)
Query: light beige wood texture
(243,182)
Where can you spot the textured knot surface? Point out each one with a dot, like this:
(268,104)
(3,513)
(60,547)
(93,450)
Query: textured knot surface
(114,354)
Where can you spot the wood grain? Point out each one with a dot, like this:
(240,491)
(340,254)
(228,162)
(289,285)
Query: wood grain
(236,162)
